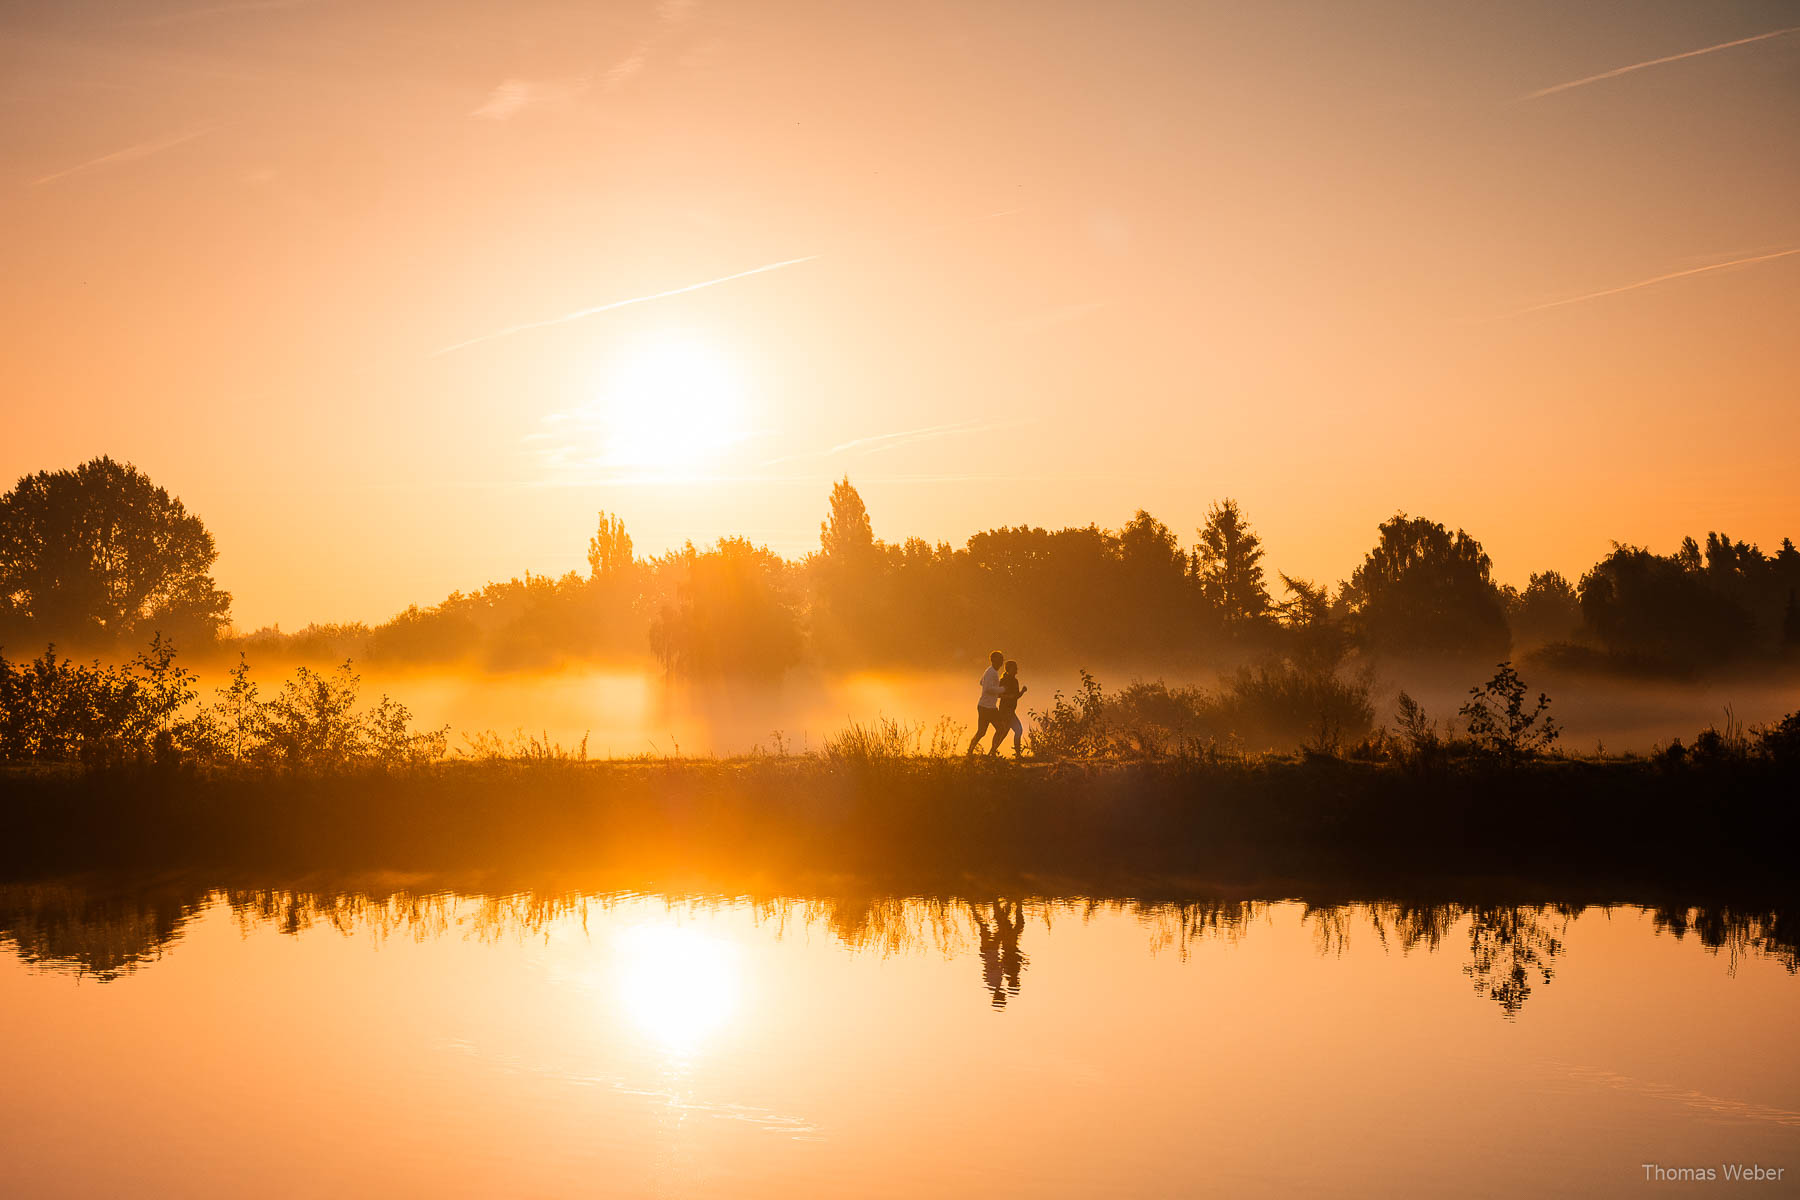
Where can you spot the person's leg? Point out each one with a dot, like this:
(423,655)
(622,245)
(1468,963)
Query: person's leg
(999,732)
(1018,732)
(983,718)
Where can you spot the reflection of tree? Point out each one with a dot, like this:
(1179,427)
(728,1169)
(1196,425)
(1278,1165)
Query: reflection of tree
(1185,923)
(108,931)
(1507,945)
(72,928)
(1330,926)
(1413,925)
(1737,932)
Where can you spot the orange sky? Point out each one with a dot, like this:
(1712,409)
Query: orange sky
(1084,258)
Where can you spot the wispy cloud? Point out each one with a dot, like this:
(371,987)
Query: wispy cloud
(670,16)
(128,154)
(514,96)
(182,16)
(1652,62)
(627,68)
(876,443)
(1652,281)
(583,313)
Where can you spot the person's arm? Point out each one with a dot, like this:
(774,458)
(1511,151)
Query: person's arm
(991,690)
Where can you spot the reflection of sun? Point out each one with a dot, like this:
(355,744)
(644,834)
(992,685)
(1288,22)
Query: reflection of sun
(671,404)
(678,984)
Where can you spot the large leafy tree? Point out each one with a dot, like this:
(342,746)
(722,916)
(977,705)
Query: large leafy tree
(1548,610)
(101,554)
(1667,608)
(1426,592)
(730,612)
(609,550)
(846,537)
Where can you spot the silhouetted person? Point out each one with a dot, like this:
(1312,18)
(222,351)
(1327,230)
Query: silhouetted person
(1010,691)
(987,709)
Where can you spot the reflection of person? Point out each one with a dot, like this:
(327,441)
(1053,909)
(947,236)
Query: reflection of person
(987,709)
(1001,958)
(1010,691)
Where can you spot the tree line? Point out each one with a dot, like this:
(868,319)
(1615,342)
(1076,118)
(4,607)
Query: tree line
(101,558)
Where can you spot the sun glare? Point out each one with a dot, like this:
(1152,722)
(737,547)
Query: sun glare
(673,405)
(679,985)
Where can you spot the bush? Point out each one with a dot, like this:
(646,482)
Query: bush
(1072,728)
(1498,723)
(313,726)
(1417,731)
(1780,742)
(52,710)
(1277,704)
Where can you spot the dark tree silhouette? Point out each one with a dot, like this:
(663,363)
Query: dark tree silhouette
(100,554)
(1228,563)
(1426,592)
(1151,551)
(1317,639)
(1548,610)
(1661,609)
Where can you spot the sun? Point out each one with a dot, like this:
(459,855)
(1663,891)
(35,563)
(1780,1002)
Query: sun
(671,405)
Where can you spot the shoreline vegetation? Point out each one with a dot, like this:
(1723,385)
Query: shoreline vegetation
(128,767)
(1284,768)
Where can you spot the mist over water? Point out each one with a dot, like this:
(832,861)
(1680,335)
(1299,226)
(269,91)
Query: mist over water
(624,711)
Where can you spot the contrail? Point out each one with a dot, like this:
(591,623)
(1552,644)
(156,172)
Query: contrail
(141,150)
(582,313)
(875,443)
(1644,283)
(876,440)
(215,10)
(1654,62)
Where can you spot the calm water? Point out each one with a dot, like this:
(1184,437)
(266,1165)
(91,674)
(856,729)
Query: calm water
(229,1043)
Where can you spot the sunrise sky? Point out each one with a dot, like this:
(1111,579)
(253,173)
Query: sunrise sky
(308,263)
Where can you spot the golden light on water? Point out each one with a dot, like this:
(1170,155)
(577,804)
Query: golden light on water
(679,986)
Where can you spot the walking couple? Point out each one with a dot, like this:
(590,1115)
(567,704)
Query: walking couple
(998,707)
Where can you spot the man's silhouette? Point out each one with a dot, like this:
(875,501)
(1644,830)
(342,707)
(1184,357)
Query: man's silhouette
(1010,691)
(987,709)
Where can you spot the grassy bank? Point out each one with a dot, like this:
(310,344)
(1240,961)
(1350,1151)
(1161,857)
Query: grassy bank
(1651,822)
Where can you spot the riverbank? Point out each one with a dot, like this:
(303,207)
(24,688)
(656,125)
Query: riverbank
(897,819)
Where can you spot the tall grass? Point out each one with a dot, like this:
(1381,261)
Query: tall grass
(886,739)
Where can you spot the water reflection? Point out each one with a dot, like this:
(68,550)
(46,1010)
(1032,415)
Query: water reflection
(680,986)
(998,928)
